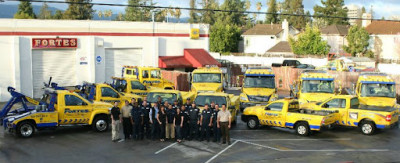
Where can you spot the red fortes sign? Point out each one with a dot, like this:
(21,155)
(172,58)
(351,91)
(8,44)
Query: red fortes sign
(44,43)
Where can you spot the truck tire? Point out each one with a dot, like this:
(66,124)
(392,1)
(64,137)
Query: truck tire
(25,129)
(303,129)
(367,127)
(253,123)
(100,124)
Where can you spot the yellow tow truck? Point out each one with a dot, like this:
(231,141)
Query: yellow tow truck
(367,118)
(377,89)
(313,86)
(231,101)
(207,79)
(258,87)
(57,108)
(286,113)
(169,95)
(149,76)
(130,85)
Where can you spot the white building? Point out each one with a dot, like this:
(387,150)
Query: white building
(353,11)
(385,39)
(73,51)
(335,35)
(262,37)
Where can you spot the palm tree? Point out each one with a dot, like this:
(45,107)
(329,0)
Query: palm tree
(178,14)
(100,14)
(108,13)
(259,6)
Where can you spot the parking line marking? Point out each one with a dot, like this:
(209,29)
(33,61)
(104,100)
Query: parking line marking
(319,150)
(345,139)
(166,148)
(215,156)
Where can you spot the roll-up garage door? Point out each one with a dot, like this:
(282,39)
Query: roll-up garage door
(116,58)
(59,64)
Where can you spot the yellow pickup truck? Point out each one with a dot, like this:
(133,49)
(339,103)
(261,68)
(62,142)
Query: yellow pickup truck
(231,101)
(367,118)
(313,86)
(207,79)
(57,108)
(149,76)
(258,87)
(377,89)
(169,95)
(286,113)
(130,85)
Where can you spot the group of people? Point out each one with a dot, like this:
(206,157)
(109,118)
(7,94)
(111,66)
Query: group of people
(166,121)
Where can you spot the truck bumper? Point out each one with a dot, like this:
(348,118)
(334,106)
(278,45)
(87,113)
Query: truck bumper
(244,118)
(387,127)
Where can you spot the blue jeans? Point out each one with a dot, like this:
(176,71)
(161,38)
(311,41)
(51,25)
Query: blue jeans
(178,132)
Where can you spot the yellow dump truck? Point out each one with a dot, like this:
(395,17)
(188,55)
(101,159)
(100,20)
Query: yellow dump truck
(207,79)
(231,101)
(286,113)
(367,118)
(258,87)
(313,86)
(57,108)
(149,76)
(377,89)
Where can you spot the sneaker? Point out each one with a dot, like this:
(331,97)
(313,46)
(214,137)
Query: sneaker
(229,143)
(223,142)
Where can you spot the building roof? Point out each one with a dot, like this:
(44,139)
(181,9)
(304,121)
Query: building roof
(341,30)
(264,29)
(383,27)
(191,58)
(282,46)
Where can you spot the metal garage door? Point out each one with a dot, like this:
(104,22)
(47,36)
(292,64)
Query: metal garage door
(59,64)
(116,58)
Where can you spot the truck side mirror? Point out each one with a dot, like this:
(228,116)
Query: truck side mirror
(267,108)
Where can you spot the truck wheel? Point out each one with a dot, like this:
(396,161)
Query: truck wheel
(25,129)
(367,127)
(253,123)
(100,124)
(303,129)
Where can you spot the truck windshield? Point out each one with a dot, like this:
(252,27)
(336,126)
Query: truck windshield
(259,82)
(207,78)
(202,100)
(378,90)
(119,85)
(318,86)
(152,97)
(137,85)
(155,74)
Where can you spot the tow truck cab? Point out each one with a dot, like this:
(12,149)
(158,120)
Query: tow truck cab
(149,76)
(129,85)
(207,79)
(376,89)
(169,95)
(231,102)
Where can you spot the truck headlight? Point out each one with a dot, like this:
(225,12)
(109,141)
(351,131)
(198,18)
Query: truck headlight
(243,97)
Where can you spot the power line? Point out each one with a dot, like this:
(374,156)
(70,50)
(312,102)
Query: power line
(199,9)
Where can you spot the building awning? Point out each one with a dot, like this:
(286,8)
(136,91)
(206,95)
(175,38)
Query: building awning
(173,62)
(200,58)
(192,58)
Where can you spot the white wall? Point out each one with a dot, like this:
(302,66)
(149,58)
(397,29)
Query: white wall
(389,68)
(390,48)
(336,42)
(258,44)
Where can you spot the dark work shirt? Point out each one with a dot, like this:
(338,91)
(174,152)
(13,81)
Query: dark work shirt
(188,106)
(215,116)
(146,111)
(170,115)
(175,107)
(186,117)
(194,114)
(178,119)
(162,117)
(206,114)
(115,112)
(137,114)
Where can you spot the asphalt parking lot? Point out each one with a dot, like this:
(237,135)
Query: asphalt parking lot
(81,144)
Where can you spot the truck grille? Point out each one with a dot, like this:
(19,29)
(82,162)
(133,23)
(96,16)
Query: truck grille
(259,98)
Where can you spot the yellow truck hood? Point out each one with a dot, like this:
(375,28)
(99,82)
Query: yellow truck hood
(215,87)
(314,97)
(377,101)
(258,91)
(129,96)
(101,105)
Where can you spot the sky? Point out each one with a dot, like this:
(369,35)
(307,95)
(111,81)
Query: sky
(381,8)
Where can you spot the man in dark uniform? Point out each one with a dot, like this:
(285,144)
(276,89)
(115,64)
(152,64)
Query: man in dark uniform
(146,120)
(186,122)
(206,123)
(176,105)
(216,130)
(159,101)
(188,104)
(155,126)
(194,122)
(137,120)
(212,106)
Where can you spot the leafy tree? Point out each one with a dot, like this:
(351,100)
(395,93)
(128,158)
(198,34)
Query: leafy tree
(45,13)
(294,7)
(108,13)
(25,11)
(363,10)
(100,14)
(237,18)
(208,17)
(272,8)
(79,11)
(58,14)
(193,17)
(120,17)
(332,8)
(258,7)
(358,41)
(178,14)
(308,17)
(138,13)
(224,37)
(309,42)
